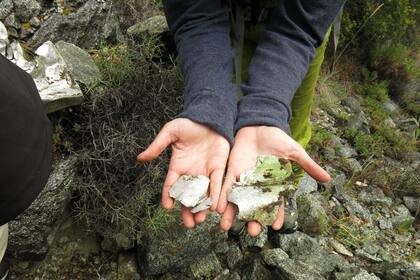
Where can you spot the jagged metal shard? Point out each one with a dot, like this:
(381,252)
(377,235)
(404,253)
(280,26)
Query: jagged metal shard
(258,192)
(192,191)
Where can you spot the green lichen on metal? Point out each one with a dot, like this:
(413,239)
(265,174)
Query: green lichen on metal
(270,170)
(259,190)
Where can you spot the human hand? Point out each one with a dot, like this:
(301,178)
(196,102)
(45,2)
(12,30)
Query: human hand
(196,150)
(251,142)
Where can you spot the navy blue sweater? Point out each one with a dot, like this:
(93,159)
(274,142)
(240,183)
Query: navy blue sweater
(202,34)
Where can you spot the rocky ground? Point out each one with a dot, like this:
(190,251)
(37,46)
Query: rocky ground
(365,224)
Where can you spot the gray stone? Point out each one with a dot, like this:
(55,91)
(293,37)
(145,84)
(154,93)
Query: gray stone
(258,241)
(206,267)
(312,216)
(307,185)
(305,249)
(4,39)
(228,275)
(26,9)
(364,275)
(31,231)
(233,256)
(257,271)
(12,21)
(371,247)
(365,255)
(79,63)
(398,271)
(179,247)
(389,123)
(6,7)
(117,240)
(343,148)
(401,215)
(385,224)
(95,22)
(273,257)
(359,122)
(390,107)
(340,248)
(374,195)
(412,203)
(153,26)
(127,267)
(287,268)
(355,208)
(352,165)
(352,103)
(35,22)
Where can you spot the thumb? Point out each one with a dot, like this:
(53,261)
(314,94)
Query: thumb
(162,140)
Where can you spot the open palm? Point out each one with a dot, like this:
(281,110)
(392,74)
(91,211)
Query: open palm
(250,142)
(196,150)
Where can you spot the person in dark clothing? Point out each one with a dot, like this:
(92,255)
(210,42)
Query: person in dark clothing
(215,130)
(25,146)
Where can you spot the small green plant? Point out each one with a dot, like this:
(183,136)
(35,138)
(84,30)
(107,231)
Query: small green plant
(406,226)
(349,231)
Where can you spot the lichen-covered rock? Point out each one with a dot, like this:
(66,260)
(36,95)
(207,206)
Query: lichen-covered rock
(26,9)
(79,63)
(364,275)
(258,241)
(206,267)
(178,247)
(306,250)
(257,271)
(6,7)
(288,268)
(313,218)
(31,231)
(95,22)
(258,192)
(233,256)
(127,267)
(153,26)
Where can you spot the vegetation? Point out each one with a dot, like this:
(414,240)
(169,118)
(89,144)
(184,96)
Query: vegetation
(119,118)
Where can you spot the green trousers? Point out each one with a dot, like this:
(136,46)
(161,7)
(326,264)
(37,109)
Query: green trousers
(302,101)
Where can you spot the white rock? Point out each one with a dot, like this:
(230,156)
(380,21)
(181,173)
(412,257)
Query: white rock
(192,191)
(4,41)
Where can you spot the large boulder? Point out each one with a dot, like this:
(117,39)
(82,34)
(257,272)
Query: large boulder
(95,22)
(178,247)
(31,232)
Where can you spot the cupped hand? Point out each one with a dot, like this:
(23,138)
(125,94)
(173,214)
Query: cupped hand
(196,150)
(251,142)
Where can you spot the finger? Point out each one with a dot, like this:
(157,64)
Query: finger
(311,167)
(228,216)
(227,185)
(200,217)
(167,201)
(254,228)
(216,179)
(278,223)
(162,140)
(187,217)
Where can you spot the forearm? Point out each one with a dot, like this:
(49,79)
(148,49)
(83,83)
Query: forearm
(201,30)
(281,60)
